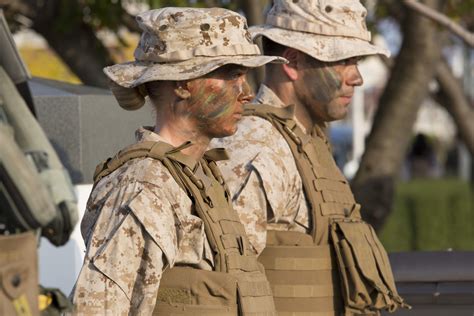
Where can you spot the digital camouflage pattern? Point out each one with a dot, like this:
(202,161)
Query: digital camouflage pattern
(328,30)
(138,221)
(186,43)
(262,177)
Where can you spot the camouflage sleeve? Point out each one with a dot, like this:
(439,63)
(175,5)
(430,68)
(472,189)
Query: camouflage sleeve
(125,258)
(123,277)
(262,178)
(251,205)
(262,191)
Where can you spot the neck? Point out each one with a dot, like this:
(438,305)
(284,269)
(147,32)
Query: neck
(176,129)
(286,93)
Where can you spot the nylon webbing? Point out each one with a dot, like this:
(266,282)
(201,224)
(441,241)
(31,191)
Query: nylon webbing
(169,309)
(298,264)
(303,290)
(237,262)
(308,305)
(306,313)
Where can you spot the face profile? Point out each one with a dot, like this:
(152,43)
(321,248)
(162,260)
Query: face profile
(216,100)
(326,88)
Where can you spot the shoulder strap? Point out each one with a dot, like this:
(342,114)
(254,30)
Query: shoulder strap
(282,120)
(267,111)
(147,149)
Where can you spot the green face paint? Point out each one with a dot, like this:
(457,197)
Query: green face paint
(215,100)
(322,81)
(326,88)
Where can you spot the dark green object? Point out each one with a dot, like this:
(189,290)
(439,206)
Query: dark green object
(431,215)
(60,303)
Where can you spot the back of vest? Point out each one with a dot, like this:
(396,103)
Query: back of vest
(237,286)
(341,266)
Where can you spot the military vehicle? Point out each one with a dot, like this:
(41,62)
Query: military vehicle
(36,194)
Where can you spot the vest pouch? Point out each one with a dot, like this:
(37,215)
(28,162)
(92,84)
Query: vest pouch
(367,282)
(18,275)
(254,294)
(303,276)
(194,292)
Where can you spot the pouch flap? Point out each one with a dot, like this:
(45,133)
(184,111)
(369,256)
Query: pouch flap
(14,279)
(357,235)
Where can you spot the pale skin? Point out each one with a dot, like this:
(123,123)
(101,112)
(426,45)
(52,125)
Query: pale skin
(200,109)
(320,91)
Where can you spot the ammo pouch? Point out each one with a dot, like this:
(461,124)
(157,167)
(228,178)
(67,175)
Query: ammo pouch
(53,302)
(366,278)
(18,275)
(191,292)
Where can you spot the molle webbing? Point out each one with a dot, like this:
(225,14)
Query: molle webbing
(302,275)
(187,291)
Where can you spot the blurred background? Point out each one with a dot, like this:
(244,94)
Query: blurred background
(407,144)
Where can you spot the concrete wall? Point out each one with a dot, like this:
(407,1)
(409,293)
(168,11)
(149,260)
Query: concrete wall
(84,124)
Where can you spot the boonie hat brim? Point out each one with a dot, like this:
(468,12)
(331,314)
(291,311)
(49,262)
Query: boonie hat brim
(133,74)
(322,47)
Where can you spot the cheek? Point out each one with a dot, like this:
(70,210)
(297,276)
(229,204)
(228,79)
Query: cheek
(221,102)
(322,83)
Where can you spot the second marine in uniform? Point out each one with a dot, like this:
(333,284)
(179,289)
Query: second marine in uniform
(296,205)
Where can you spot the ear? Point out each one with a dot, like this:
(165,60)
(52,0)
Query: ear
(291,69)
(182,90)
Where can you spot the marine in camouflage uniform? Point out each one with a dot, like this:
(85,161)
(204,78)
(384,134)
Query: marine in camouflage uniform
(295,204)
(159,225)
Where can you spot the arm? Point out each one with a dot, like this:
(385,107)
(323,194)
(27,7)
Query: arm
(122,277)
(133,238)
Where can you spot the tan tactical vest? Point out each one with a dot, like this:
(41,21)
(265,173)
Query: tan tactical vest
(18,275)
(341,268)
(237,286)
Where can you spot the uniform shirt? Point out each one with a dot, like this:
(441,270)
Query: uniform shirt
(138,222)
(265,185)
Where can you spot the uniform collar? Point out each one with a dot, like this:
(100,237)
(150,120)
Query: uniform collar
(266,95)
(146,133)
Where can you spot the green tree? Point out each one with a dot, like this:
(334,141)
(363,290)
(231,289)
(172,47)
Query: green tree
(418,62)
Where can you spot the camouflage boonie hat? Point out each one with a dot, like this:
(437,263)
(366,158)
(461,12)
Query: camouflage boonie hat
(328,30)
(182,44)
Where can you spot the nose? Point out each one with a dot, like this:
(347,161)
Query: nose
(354,78)
(246,94)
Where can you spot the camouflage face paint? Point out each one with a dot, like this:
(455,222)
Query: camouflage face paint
(325,88)
(322,80)
(215,100)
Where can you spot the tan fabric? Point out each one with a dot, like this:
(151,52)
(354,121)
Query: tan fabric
(262,177)
(18,275)
(183,44)
(138,220)
(302,274)
(328,30)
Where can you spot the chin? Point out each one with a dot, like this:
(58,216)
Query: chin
(224,133)
(338,116)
